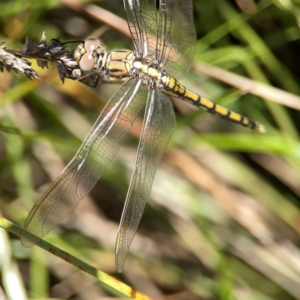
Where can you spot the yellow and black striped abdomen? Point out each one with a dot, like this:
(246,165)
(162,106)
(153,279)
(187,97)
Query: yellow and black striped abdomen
(173,87)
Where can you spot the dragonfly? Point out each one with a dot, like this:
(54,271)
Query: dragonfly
(164,39)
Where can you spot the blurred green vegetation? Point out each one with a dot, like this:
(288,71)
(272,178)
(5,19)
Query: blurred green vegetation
(223,218)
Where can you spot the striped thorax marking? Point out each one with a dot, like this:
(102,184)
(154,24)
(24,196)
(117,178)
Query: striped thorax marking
(118,65)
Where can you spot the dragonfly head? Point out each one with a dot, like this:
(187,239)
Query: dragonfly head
(89,55)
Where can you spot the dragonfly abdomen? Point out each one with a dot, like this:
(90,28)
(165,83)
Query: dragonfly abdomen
(173,87)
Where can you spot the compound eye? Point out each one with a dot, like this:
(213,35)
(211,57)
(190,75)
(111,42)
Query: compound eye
(86,63)
(91,45)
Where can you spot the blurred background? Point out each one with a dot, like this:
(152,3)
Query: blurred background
(223,218)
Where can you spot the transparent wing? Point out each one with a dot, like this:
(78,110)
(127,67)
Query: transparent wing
(82,173)
(158,126)
(176,36)
(136,25)
(166,28)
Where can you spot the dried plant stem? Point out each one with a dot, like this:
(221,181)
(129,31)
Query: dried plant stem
(104,278)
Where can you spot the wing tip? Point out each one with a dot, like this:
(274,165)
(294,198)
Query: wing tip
(28,239)
(120,254)
(120,262)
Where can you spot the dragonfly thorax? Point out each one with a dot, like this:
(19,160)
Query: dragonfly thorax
(90,55)
(149,73)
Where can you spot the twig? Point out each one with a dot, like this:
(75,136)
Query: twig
(10,61)
(101,276)
(55,52)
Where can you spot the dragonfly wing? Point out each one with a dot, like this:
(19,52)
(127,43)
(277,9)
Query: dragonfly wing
(136,25)
(176,36)
(158,126)
(79,177)
(165,30)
